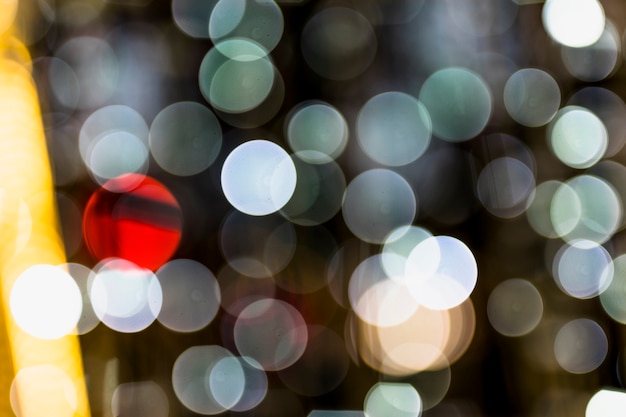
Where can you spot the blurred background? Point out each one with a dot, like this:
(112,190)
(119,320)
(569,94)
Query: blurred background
(332,208)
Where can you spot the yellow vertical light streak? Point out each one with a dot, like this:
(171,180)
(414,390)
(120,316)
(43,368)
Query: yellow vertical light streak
(46,376)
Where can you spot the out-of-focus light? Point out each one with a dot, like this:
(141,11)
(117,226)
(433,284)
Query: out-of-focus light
(255,385)
(532,97)
(338,43)
(376,202)
(504,185)
(582,269)
(133,217)
(577,137)
(236,76)
(483,17)
(140,399)
(586,207)
(125,297)
(596,61)
(606,403)
(378,299)
(317,132)
(192,16)
(574,23)
(398,246)
(318,195)
(191,295)
(48,386)
(441,272)
(185,138)
(336,413)
(226,381)
(458,101)
(610,108)
(394,128)
(258,177)
(110,132)
(259,21)
(272,332)
(46,302)
(515,307)
(268,248)
(613,297)
(397,399)
(580,346)
(190,378)
(8,11)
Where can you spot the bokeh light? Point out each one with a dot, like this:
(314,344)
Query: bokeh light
(515,307)
(613,295)
(141,399)
(396,399)
(575,23)
(394,128)
(532,97)
(258,177)
(376,202)
(580,346)
(606,403)
(459,103)
(597,61)
(582,269)
(46,302)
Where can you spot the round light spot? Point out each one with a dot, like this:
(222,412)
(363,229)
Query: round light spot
(133,217)
(338,43)
(227,381)
(575,23)
(378,299)
(532,97)
(83,277)
(191,376)
(586,207)
(317,132)
(125,297)
(459,103)
(538,208)
(582,269)
(255,385)
(192,16)
(515,307)
(236,76)
(259,21)
(613,297)
(46,302)
(577,137)
(43,389)
(580,346)
(504,185)
(191,295)
(393,128)
(606,403)
(376,202)
(441,272)
(258,177)
(185,138)
(396,399)
(272,332)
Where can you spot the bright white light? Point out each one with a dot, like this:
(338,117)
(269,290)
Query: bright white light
(606,403)
(46,302)
(574,23)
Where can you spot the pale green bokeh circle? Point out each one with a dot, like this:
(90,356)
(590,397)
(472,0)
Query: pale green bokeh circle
(236,76)
(532,97)
(392,399)
(394,128)
(185,138)
(578,137)
(317,132)
(538,208)
(459,103)
(586,207)
(613,297)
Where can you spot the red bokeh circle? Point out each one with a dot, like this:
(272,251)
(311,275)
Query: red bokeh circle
(133,217)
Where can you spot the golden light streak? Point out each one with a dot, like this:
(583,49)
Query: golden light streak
(47,375)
